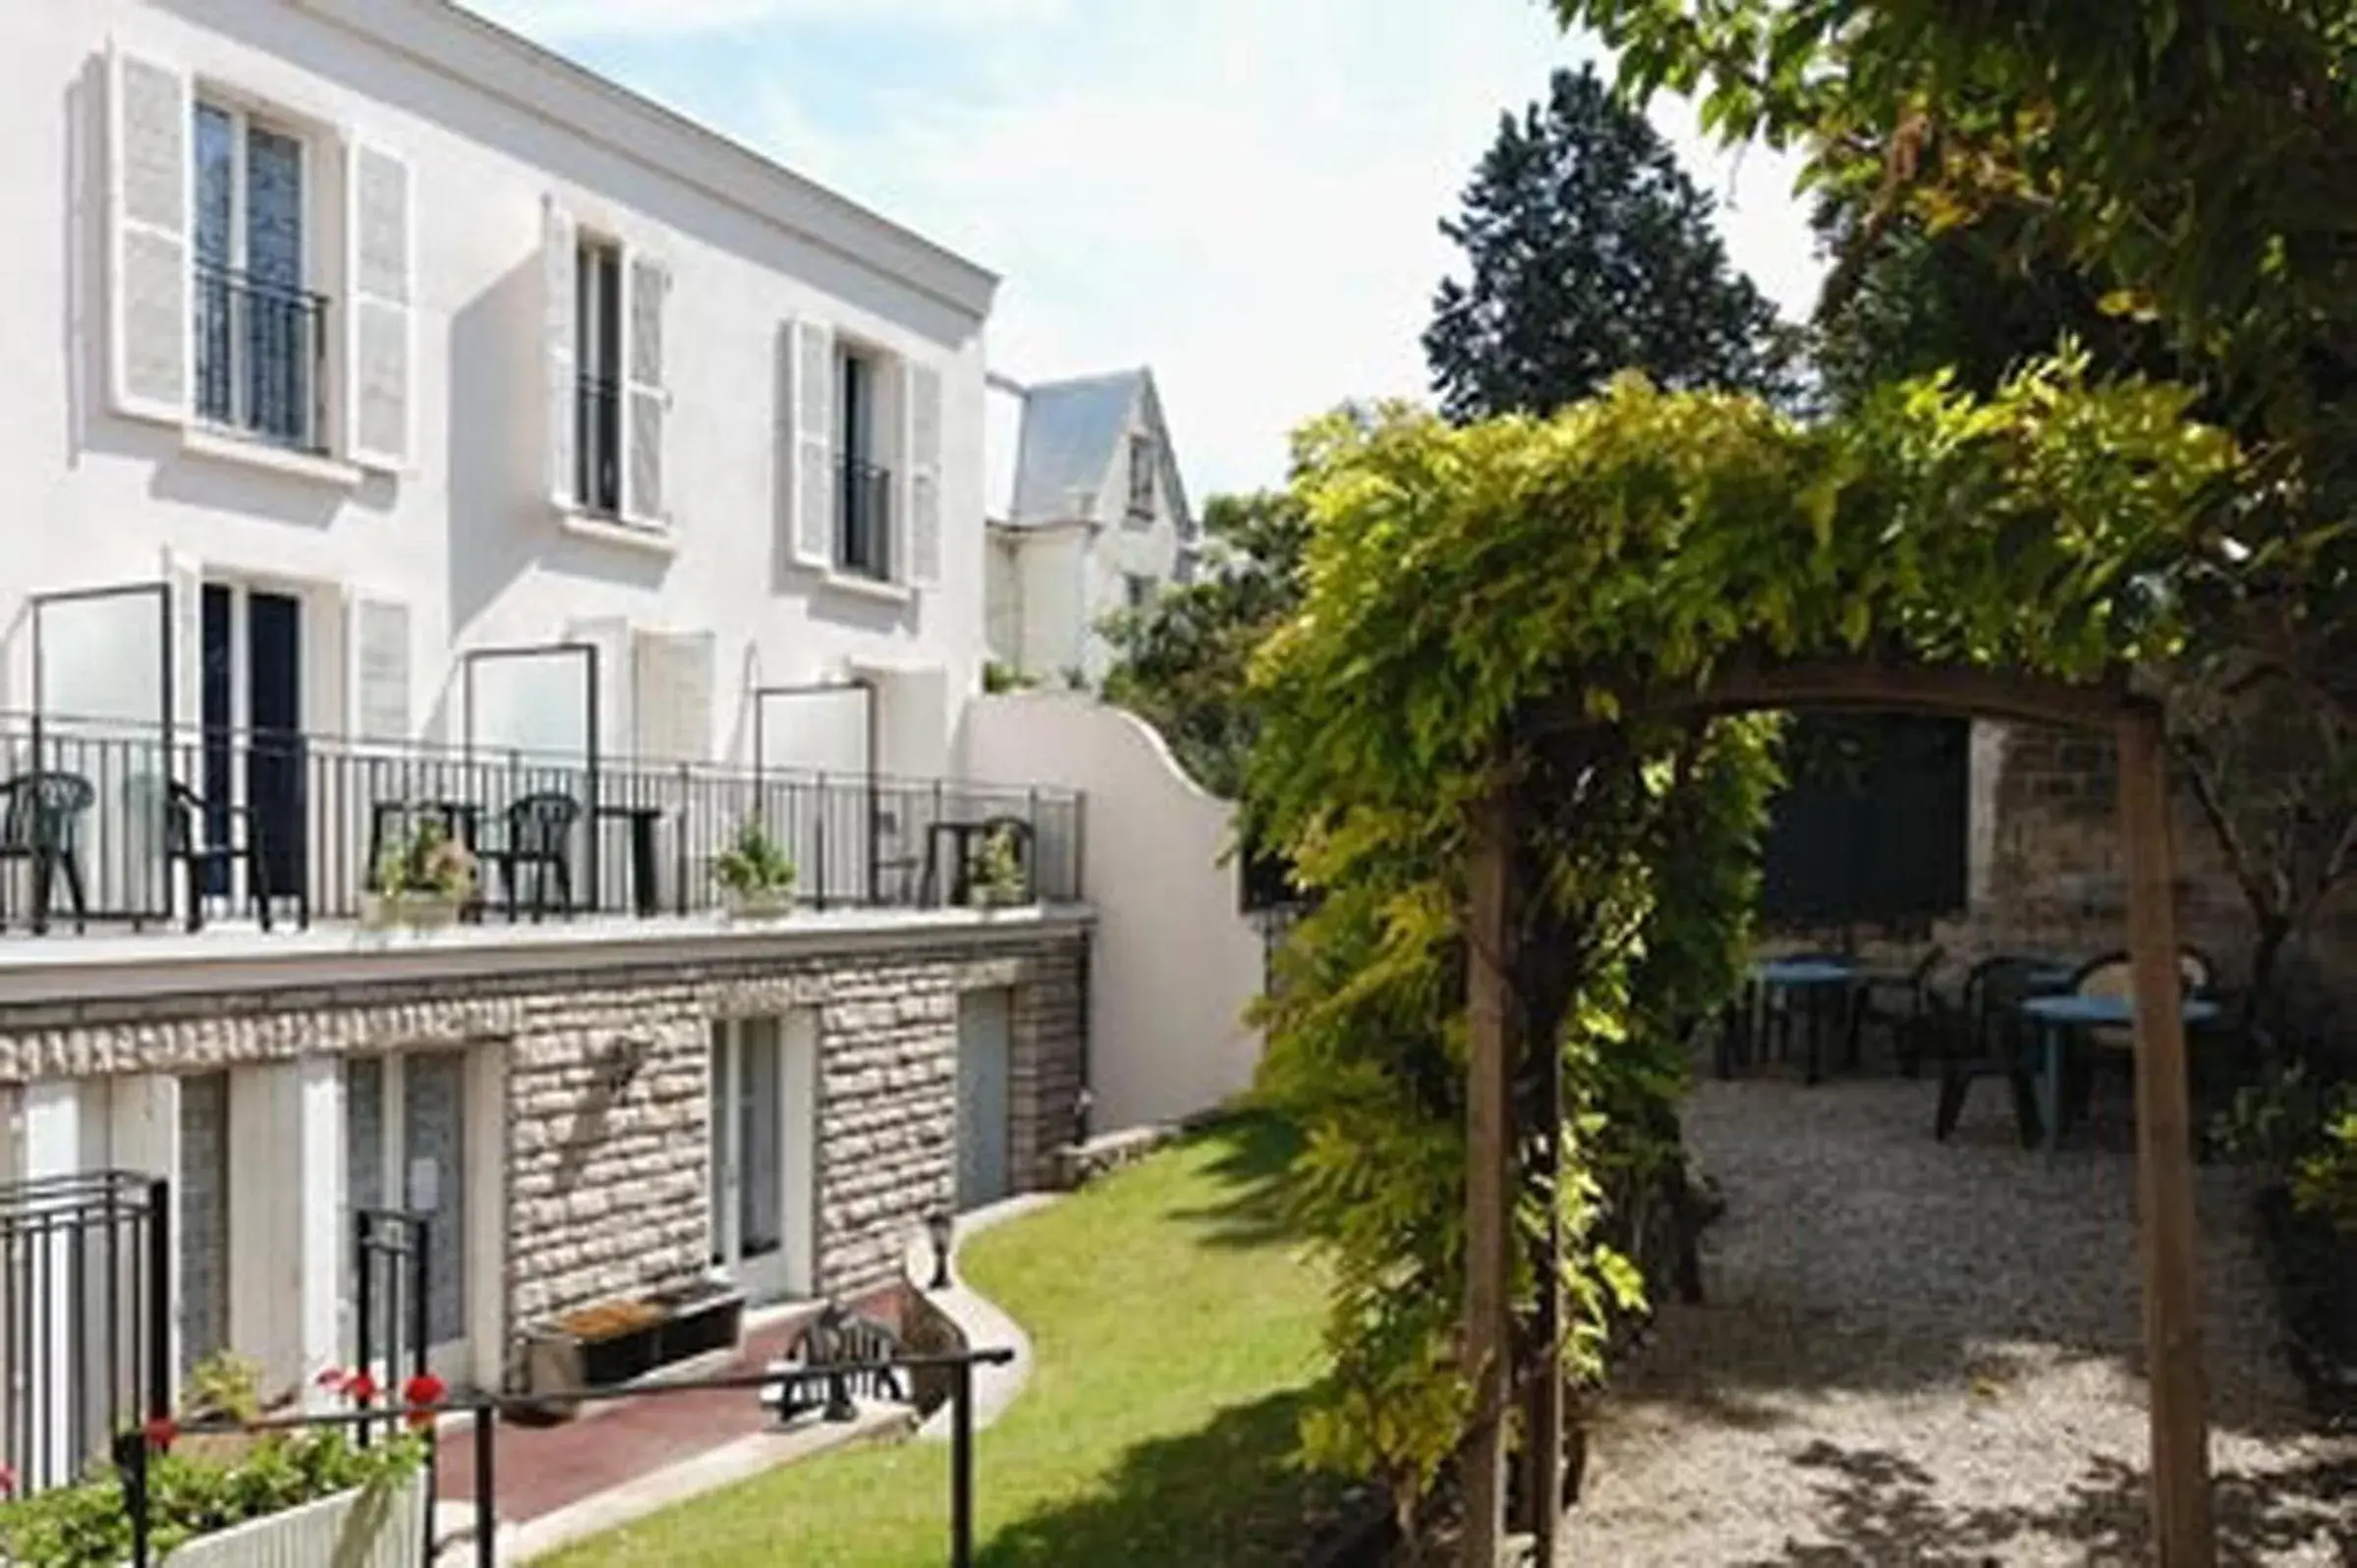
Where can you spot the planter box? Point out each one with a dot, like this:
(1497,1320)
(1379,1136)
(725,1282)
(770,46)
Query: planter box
(770,904)
(332,1533)
(381,911)
(686,1322)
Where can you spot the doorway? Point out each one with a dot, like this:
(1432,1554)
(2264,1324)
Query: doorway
(764,1140)
(251,685)
(985,1034)
(405,1147)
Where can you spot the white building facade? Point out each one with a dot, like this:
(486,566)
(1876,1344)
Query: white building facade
(409,421)
(1094,520)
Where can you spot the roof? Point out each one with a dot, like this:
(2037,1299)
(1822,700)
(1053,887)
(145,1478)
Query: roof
(461,43)
(1071,432)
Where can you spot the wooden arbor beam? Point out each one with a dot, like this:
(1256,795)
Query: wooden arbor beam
(1488,1156)
(2183,1533)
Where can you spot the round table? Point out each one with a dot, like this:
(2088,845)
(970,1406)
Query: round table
(1811,975)
(2056,1016)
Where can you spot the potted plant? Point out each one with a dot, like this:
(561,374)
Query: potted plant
(755,873)
(997,880)
(423,879)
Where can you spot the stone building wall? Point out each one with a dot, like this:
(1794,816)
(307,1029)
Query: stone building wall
(606,1103)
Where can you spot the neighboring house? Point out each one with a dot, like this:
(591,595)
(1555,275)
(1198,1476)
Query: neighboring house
(1093,521)
(413,425)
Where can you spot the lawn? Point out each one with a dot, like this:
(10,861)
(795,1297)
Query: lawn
(1176,1330)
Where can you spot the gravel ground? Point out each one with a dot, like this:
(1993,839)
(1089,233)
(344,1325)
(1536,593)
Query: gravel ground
(1917,1353)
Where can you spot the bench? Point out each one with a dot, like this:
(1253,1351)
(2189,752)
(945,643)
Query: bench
(837,1337)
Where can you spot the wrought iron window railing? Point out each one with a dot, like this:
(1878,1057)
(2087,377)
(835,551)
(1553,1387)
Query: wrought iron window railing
(260,358)
(317,814)
(864,520)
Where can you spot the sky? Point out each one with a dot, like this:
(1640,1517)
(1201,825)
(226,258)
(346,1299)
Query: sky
(1241,194)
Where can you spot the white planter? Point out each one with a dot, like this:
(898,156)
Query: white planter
(332,1533)
(381,911)
(771,903)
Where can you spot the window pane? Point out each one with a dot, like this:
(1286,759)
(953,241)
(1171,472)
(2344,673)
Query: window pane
(759,1141)
(279,328)
(216,201)
(216,254)
(273,208)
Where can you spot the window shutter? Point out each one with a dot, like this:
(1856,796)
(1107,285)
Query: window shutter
(648,288)
(810,382)
(921,405)
(380,261)
(150,199)
(558,259)
(672,675)
(377,636)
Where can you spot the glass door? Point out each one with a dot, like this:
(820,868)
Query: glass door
(764,1134)
(251,694)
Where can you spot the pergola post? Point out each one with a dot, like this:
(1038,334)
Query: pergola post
(1489,1151)
(2182,1529)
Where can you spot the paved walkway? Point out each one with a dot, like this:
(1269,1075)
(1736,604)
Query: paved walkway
(1929,1354)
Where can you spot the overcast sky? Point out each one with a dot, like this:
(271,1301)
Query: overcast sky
(1241,194)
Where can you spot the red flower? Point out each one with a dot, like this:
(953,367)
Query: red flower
(7,1480)
(359,1387)
(423,1390)
(161,1431)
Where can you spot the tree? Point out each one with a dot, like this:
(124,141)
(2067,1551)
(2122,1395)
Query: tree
(1180,662)
(1590,252)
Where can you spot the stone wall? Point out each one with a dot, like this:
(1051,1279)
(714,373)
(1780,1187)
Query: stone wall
(607,1118)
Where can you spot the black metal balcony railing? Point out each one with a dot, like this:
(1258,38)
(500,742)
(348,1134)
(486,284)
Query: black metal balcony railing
(598,445)
(642,838)
(863,526)
(261,358)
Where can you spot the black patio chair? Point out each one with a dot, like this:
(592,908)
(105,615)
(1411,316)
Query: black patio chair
(539,838)
(1983,1034)
(41,824)
(205,836)
(1898,1003)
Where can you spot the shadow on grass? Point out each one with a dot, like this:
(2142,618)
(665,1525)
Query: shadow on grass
(1227,1493)
(1254,1152)
(1877,1507)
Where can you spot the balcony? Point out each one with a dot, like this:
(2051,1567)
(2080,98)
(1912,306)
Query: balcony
(115,827)
(260,358)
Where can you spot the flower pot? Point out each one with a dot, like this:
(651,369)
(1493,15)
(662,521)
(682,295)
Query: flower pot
(760,903)
(357,1528)
(417,911)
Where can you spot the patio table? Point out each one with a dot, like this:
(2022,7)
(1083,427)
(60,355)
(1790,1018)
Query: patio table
(2057,1015)
(1806,976)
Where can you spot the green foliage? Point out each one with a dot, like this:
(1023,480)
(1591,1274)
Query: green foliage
(1462,582)
(1590,252)
(998,679)
(1182,660)
(2326,1180)
(997,877)
(755,863)
(2301,1131)
(85,1524)
(426,859)
(224,1384)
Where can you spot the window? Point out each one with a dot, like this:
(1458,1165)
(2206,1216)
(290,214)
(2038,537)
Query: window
(1142,476)
(598,397)
(864,510)
(1137,589)
(261,335)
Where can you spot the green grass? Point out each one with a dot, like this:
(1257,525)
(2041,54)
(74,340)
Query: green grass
(1176,1331)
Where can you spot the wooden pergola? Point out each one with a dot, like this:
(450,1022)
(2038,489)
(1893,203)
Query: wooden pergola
(2182,1527)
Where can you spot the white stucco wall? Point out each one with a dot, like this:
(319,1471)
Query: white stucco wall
(467,538)
(1051,567)
(1173,963)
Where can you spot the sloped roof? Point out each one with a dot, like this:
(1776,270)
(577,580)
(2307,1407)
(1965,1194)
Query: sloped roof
(1071,431)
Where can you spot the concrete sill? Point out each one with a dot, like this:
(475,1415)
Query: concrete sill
(867,587)
(199,441)
(612,530)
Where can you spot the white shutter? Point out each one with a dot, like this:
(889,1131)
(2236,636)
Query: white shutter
(559,256)
(809,382)
(648,289)
(380,249)
(672,680)
(150,203)
(376,640)
(920,450)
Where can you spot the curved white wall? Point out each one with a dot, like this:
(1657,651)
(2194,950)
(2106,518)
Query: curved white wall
(1173,963)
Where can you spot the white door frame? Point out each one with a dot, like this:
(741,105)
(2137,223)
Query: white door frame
(450,1359)
(789,1272)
